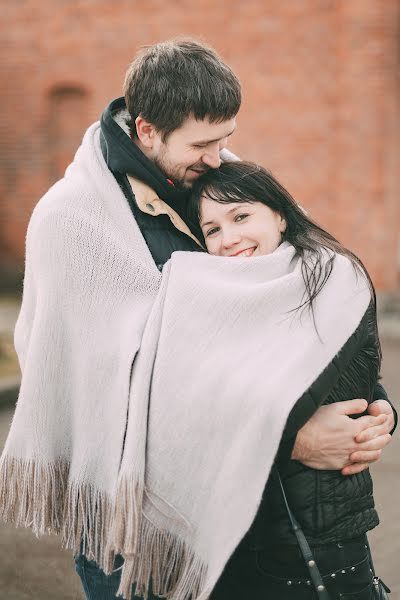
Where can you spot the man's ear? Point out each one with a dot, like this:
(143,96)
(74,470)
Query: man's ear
(145,131)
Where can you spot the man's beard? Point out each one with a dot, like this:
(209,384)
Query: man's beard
(173,175)
(169,173)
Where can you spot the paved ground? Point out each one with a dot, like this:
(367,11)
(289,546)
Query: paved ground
(32,569)
(385,539)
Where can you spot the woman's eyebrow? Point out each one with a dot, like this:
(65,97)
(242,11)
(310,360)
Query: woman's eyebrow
(204,224)
(231,210)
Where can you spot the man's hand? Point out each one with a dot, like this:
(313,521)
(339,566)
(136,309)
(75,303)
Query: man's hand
(328,439)
(372,440)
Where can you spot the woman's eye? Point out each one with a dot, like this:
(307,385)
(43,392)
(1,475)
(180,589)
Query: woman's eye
(212,231)
(241,217)
(199,146)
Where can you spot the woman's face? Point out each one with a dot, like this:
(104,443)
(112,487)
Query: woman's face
(240,228)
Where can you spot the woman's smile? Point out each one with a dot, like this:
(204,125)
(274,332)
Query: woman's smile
(245,252)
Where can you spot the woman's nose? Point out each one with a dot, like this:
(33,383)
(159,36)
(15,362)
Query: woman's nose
(230,238)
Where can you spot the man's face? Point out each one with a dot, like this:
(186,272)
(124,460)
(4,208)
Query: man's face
(191,150)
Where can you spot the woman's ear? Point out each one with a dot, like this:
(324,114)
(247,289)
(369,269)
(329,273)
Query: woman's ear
(282,224)
(146,132)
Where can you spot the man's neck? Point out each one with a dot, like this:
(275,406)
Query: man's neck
(141,147)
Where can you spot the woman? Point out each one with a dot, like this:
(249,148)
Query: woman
(240,210)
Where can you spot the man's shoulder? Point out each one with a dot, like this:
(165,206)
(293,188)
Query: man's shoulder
(61,210)
(60,198)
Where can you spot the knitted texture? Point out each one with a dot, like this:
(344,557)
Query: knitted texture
(224,358)
(89,283)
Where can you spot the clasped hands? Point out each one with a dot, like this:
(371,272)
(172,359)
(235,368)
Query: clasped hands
(332,440)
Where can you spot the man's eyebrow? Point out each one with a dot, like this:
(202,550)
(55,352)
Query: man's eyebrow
(200,142)
(231,210)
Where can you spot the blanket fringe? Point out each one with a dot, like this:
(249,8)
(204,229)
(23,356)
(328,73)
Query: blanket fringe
(31,494)
(155,559)
(40,497)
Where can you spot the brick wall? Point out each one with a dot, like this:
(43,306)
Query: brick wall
(321,101)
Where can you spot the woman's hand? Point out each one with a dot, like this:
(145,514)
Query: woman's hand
(332,440)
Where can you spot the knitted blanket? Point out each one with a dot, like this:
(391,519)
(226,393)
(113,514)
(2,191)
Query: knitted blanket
(90,282)
(164,462)
(224,357)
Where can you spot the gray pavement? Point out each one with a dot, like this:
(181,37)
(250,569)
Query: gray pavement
(37,569)
(385,539)
(32,568)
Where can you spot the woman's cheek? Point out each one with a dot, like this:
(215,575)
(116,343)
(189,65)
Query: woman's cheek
(213,248)
(209,246)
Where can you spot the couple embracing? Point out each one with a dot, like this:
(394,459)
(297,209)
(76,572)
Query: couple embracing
(200,399)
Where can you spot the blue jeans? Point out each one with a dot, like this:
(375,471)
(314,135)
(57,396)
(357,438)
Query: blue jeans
(96,584)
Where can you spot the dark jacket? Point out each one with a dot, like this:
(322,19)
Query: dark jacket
(339,498)
(329,506)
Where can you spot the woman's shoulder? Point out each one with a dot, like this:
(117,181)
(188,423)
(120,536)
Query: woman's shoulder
(350,267)
(343,262)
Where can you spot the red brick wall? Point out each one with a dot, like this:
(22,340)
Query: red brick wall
(321,101)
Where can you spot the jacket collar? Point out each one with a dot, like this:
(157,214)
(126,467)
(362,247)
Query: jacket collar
(148,202)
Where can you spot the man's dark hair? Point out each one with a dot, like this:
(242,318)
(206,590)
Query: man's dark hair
(173,80)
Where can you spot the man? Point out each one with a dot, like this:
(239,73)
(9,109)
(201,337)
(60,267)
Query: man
(179,111)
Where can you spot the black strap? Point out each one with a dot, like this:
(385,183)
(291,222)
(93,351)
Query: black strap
(381,590)
(306,551)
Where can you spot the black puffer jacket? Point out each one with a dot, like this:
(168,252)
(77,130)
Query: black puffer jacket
(328,505)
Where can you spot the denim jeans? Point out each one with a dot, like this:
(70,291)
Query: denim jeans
(96,584)
(280,573)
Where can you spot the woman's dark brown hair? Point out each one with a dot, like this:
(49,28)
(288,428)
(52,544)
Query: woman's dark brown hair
(243,182)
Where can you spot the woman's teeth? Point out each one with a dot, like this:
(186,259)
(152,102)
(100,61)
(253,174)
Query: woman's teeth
(247,252)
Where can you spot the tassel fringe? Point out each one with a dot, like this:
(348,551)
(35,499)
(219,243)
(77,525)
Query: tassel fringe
(42,498)
(163,565)
(155,559)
